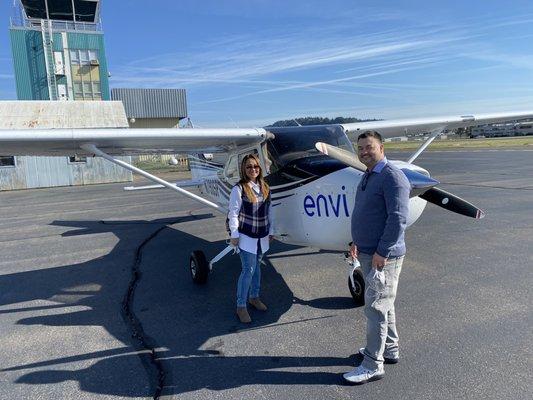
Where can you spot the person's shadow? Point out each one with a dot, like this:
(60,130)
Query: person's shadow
(178,317)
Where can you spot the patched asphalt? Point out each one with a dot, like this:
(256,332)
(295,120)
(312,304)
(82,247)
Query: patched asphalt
(463,306)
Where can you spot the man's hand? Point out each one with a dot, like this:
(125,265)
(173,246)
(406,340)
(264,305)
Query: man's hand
(234,241)
(270,238)
(353,251)
(378,261)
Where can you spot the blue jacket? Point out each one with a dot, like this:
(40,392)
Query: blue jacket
(380,213)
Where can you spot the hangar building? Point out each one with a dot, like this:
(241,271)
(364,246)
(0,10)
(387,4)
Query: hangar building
(58,56)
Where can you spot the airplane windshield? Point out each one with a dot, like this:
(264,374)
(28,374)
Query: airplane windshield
(293,143)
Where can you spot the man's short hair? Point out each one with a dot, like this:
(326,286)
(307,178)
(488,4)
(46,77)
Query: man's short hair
(368,134)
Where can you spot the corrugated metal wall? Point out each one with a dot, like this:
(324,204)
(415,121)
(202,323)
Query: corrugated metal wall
(141,123)
(33,172)
(152,103)
(28,62)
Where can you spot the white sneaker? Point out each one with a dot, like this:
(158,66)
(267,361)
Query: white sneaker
(362,375)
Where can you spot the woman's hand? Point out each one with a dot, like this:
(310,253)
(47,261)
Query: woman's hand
(234,241)
(270,237)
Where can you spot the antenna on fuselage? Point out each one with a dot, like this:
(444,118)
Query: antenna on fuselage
(234,123)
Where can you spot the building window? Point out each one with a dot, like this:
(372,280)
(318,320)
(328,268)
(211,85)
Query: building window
(85,69)
(7,161)
(77,159)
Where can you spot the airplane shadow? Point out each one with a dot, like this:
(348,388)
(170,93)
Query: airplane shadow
(178,317)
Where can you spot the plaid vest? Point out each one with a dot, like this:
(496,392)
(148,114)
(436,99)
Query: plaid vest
(253,217)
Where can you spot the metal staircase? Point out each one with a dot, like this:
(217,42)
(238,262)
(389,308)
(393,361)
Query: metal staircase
(48,48)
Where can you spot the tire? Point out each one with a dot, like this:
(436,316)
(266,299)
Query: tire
(199,267)
(357,291)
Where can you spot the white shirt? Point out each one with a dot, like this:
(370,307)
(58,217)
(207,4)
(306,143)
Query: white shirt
(246,243)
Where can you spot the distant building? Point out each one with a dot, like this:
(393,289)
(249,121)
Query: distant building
(503,130)
(58,56)
(153,108)
(33,172)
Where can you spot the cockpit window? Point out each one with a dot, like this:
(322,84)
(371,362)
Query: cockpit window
(289,144)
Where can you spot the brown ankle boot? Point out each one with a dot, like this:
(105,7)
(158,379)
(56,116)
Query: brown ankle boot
(258,304)
(243,315)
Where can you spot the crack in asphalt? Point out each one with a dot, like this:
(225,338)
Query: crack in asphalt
(143,342)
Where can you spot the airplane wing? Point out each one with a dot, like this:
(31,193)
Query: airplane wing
(125,141)
(401,127)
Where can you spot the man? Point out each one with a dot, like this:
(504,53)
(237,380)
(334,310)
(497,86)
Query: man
(378,224)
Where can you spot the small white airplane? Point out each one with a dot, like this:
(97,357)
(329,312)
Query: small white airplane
(313,171)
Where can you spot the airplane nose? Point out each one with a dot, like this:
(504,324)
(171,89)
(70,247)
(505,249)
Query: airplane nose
(419,182)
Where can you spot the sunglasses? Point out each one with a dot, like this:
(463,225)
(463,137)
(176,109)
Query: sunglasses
(253,167)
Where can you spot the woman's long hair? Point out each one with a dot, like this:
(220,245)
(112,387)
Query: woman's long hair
(265,189)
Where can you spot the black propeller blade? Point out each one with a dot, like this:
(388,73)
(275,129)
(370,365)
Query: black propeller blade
(451,202)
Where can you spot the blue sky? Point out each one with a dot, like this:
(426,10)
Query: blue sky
(252,62)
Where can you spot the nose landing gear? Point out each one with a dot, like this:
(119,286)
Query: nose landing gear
(356,284)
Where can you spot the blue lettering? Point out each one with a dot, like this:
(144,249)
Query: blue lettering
(320,196)
(335,210)
(319,206)
(345,204)
(309,203)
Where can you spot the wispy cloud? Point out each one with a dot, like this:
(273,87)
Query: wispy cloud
(235,58)
(332,61)
(252,57)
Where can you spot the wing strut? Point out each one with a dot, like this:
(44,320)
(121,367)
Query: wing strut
(434,133)
(91,148)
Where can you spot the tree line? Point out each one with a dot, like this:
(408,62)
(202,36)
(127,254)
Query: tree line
(317,121)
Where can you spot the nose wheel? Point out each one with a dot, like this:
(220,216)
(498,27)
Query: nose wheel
(356,284)
(199,267)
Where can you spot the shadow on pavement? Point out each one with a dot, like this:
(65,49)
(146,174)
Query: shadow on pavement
(178,317)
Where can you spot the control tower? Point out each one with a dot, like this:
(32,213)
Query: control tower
(58,50)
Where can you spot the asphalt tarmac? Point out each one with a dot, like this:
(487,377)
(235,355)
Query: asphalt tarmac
(91,277)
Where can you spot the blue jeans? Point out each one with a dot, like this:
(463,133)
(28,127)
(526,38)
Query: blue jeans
(250,279)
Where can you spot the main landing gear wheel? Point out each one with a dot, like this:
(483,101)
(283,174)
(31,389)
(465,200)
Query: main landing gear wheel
(199,267)
(358,288)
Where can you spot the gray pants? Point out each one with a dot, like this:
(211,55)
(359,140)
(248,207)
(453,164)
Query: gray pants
(380,293)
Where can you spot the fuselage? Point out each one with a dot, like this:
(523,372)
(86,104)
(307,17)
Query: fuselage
(312,195)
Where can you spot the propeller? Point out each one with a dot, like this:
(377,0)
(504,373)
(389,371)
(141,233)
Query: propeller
(452,202)
(419,182)
(422,185)
(344,156)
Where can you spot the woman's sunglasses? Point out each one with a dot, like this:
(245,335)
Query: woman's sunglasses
(253,167)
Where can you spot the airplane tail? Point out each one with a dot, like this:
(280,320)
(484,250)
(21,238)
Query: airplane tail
(201,167)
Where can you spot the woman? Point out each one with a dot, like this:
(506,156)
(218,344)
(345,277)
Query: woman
(250,224)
